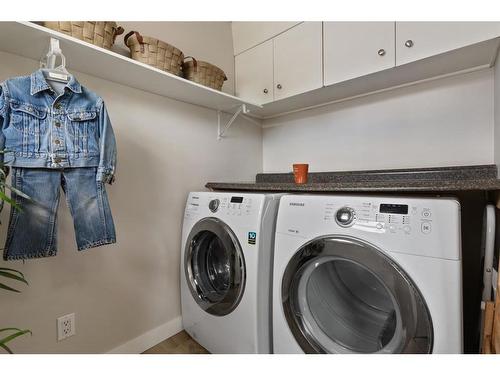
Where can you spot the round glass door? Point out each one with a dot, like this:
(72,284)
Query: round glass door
(343,295)
(214,267)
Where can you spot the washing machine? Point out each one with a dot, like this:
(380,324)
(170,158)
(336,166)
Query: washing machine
(367,274)
(226,270)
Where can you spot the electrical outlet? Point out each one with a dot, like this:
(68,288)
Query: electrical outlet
(65,326)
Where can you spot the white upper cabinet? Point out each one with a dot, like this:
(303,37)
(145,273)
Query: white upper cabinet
(355,49)
(298,60)
(248,34)
(254,73)
(418,40)
(307,64)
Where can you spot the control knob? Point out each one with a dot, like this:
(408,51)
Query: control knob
(213,205)
(345,216)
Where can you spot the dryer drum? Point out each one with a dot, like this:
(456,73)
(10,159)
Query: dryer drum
(343,295)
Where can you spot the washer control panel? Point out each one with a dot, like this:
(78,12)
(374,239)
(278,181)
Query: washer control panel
(224,205)
(236,206)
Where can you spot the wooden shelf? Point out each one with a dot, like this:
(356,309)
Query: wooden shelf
(31,40)
(474,57)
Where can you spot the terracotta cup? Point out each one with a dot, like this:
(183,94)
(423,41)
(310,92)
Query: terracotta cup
(300,173)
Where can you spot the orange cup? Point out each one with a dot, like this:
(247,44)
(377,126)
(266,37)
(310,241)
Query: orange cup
(300,173)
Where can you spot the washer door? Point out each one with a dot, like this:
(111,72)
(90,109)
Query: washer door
(214,266)
(343,295)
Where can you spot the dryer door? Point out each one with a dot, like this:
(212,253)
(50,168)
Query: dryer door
(343,295)
(214,266)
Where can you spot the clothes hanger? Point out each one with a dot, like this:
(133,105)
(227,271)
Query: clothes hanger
(48,63)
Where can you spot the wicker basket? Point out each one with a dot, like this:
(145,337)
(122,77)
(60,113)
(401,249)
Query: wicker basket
(154,52)
(100,33)
(203,73)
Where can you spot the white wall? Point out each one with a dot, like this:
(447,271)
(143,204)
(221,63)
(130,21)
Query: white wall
(119,292)
(444,122)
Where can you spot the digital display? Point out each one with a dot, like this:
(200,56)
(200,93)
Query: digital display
(400,209)
(236,199)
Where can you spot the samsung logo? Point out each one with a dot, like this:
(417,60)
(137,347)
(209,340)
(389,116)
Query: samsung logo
(297,204)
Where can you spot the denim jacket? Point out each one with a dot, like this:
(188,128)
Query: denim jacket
(41,129)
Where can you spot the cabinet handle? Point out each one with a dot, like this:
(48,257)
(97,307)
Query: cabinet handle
(381,52)
(278,86)
(409,43)
(266,91)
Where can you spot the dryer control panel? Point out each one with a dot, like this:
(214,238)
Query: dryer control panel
(385,217)
(422,226)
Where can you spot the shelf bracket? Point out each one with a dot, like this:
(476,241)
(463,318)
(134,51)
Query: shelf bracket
(221,130)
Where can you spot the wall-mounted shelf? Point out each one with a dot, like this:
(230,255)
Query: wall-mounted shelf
(474,57)
(31,40)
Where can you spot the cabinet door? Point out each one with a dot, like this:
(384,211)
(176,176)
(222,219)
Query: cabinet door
(418,40)
(298,60)
(248,34)
(355,49)
(254,73)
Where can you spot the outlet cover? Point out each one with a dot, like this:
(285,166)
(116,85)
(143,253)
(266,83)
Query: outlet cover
(66,326)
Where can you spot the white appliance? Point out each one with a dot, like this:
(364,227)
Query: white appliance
(488,249)
(226,270)
(489,252)
(367,274)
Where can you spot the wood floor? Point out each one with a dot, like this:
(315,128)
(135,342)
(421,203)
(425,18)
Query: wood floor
(181,343)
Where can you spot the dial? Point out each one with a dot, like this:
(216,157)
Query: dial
(345,216)
(214,205)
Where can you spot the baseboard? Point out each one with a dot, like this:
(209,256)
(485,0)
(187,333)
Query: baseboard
(149,339)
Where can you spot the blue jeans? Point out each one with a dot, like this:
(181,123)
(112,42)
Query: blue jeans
(32,230)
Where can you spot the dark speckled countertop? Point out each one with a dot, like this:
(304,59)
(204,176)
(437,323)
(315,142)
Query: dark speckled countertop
(466,178)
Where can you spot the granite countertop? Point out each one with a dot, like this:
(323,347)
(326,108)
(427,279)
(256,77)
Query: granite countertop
(467,178)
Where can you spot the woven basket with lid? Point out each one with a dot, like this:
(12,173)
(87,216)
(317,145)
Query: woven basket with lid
(155,52)
(204,73)
(99,33)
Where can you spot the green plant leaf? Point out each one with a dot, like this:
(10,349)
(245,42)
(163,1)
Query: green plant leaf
(9,275)
(6,348)
(9,338)
(10,329)
(17,330)
(6,287)
(18,192)
(12,270)
(5,198)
